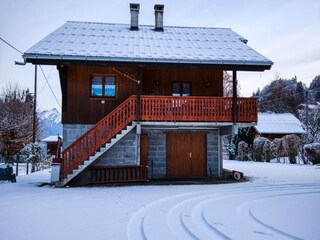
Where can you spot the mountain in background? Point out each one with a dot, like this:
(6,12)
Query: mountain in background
(50,123)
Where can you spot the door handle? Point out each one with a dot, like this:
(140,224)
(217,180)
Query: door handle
(190,154)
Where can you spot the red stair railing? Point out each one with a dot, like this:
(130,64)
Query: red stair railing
(98,135)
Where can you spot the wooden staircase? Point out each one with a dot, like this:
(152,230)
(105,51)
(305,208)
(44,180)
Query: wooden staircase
(97,154)
(97,140)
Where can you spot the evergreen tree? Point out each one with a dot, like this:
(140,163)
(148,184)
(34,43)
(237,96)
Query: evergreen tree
(314,89)
(279,96)
(300,96)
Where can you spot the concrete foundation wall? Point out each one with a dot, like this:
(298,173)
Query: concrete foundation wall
(72,132)
(124,152)
(127,152)
(213,154)
(157,155)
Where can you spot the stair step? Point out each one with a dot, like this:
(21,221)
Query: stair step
(124,131)
(118,136)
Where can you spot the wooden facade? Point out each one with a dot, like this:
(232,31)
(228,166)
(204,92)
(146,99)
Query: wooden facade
(79,107)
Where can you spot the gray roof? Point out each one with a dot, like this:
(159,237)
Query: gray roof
(278,123)
(116,42)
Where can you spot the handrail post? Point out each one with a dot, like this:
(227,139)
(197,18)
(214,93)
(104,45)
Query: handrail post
(139,83)
(234,96)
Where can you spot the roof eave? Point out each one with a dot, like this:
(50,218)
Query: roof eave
(47,59)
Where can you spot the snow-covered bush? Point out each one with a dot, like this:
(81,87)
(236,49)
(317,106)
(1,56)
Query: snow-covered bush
(269,150)
(312,152)
(291,146)
(312,123)
(279,148)
(232,150)
(243,150)
(33,153)
(258,148)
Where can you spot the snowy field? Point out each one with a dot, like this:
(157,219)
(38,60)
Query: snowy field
(280,202)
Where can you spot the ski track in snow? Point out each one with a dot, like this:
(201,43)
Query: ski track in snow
(280,202)
(198,215)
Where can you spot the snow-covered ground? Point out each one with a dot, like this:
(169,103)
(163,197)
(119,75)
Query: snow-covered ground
(280,202)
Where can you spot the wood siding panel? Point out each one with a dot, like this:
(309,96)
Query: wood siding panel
(204,82)
(83,109)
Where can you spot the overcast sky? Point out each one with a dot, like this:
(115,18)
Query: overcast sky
(287,32)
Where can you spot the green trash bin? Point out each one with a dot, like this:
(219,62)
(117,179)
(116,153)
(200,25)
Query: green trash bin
(6,174)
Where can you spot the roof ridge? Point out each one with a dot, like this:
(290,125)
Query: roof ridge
(147,25)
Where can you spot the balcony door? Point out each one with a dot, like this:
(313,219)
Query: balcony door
(181,89)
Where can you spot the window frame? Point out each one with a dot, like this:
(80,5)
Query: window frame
(181,88)
(104,77)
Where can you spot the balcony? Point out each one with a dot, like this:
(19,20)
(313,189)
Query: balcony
(197,109)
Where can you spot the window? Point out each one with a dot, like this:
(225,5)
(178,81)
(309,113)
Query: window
(103,86)
(181,89)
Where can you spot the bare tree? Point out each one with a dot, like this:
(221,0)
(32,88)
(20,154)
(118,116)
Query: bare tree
(16,120)
(228,85)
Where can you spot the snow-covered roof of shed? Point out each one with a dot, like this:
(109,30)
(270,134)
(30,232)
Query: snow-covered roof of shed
(278,123)
(116,42)
(53,138)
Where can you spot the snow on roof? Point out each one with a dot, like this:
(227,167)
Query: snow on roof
(278,123)
(53,138)
(116,42)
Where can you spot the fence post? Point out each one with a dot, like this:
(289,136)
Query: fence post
(17,164)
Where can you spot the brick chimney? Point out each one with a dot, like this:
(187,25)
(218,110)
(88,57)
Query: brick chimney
(158,13)
(134,11)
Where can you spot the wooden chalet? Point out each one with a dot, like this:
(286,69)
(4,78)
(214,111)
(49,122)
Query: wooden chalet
(146,102)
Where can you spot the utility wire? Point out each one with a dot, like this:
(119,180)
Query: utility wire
(10,45)
(45,84)
(49,86)
(60,105)
(39,66)
(275,87)
(285,97)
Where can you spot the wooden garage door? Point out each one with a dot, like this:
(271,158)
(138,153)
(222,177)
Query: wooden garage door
(186,154)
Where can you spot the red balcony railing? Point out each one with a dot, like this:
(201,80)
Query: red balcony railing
(197,109)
